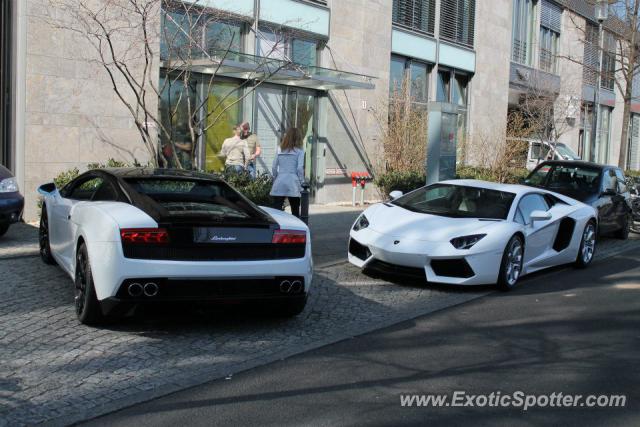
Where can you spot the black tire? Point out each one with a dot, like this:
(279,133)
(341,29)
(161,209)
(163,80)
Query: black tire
(86,303)
(512,258)
(587,248)
(3,229)
(43,238)
(623,233)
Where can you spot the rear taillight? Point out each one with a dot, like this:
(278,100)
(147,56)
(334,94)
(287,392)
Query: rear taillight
(144,236)
(289,237)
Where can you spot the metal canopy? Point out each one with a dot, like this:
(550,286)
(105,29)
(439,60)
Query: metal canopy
(249,67)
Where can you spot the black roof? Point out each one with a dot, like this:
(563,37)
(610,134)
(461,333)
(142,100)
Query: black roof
(147,172)
(579,163)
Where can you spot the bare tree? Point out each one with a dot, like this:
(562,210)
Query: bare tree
(619,53)
(132,39)
(404,132)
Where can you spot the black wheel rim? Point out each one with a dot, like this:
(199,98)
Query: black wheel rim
(44,235)
(81,282)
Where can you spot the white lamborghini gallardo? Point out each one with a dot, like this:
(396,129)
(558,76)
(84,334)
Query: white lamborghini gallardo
(469,232)
(132,236)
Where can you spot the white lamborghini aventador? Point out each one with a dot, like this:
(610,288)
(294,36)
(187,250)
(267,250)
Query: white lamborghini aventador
(132,236)
(469,232)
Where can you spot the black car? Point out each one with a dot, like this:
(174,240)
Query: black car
(11,201)
(601,186)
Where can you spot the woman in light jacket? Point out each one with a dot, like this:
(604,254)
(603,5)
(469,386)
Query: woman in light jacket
(288,172)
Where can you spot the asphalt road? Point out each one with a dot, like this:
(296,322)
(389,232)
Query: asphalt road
(575,332)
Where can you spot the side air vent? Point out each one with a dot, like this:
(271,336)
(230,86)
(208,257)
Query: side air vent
(565,232)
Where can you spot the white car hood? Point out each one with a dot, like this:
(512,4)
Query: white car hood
(397,222)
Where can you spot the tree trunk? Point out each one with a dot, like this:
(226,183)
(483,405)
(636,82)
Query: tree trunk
(624,137)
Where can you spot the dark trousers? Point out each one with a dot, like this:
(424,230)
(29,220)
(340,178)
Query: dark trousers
(294,202)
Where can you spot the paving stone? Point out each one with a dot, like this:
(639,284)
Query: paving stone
(53,369)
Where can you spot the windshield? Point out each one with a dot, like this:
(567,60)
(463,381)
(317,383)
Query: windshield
(194,197)
(458,201)
(567,179)
(566,152)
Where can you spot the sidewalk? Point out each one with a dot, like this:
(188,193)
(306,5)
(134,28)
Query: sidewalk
(329,226)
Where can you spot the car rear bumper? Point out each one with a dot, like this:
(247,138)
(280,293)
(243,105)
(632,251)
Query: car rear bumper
(11,206)
(111,270)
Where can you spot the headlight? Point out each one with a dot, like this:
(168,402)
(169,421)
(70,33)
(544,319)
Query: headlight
(9,185)
(361,223)
(466,242)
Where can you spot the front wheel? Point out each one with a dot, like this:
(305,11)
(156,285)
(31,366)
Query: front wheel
(87,306)
(511,266)
(587,245)
(43,238)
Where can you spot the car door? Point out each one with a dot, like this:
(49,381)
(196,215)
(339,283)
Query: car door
(80,191)
(539,235)
(622,202)
(607,202)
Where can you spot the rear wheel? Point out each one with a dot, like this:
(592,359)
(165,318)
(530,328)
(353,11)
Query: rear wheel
(587,245)
(511,266)
(3,228)
(623,233)
(86,302)
(43,238)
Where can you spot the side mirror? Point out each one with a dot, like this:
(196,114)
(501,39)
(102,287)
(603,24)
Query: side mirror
(47,189)
(395,195)
(540,216)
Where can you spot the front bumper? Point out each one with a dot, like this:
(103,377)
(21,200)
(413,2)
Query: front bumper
(11,206)
(440,261)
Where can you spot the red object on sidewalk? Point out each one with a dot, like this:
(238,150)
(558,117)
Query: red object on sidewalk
(359,178)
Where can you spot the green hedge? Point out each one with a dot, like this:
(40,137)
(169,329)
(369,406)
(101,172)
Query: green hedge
(257,190)
(633,173)
(402,181)
(409,181)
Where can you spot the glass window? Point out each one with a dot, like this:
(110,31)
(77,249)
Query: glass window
(304,52)
(460,89)
(177,116)
(548,50)
(522,32)
(224,111)
(530,203)
(622,186)
(223,36)
(457,21)
(271,45)
(578,181)
(397,75)
(85,189)
(458,201)
(538,176)
(177,31)
(609,181)
(444,86)
(419,81)
(417,15)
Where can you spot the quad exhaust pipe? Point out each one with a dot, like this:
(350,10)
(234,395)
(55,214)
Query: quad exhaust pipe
(136,290)
(150,289)
(291,287)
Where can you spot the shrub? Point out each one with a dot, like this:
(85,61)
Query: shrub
(257,190)
(507,176)
(401,181)
(633,173)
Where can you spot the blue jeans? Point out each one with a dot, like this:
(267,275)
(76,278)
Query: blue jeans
(251,168)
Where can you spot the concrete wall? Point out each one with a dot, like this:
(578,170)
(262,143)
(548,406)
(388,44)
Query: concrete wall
(72,115)
(571,53)
(360,42)
(490,85)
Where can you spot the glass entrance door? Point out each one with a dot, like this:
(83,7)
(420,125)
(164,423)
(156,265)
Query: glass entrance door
(277,109)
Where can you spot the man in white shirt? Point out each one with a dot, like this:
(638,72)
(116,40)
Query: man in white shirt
(236,152)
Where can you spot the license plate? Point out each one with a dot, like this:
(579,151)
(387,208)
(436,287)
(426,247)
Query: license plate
(221,235)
